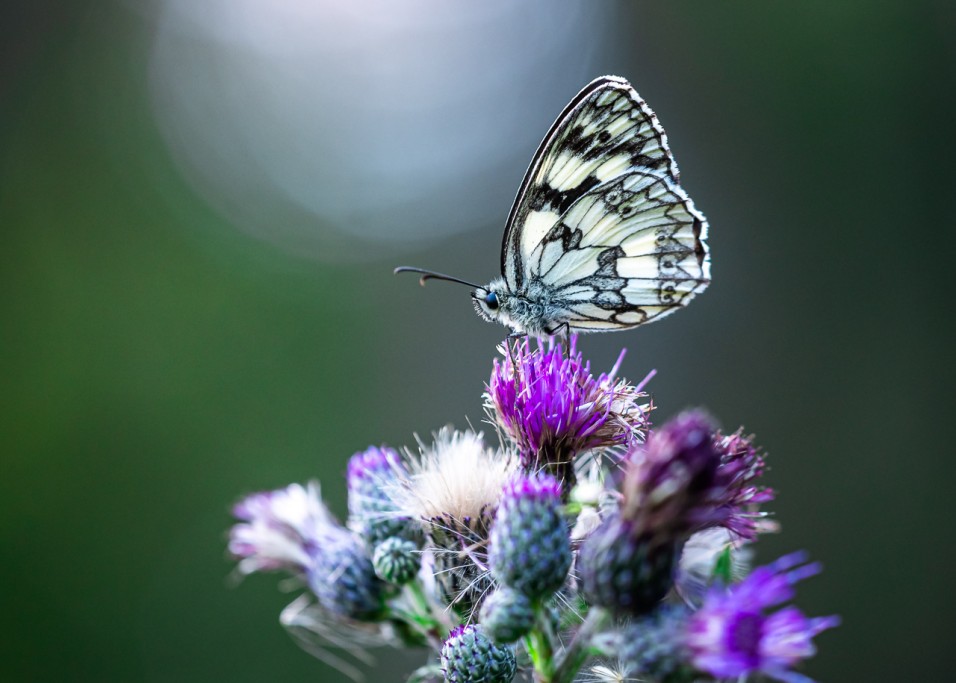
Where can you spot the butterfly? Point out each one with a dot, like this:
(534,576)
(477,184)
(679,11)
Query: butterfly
(601,235)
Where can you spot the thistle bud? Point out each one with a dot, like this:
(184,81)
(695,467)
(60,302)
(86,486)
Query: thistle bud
(506,615)
(372,514)
(623,571)
(469,656)
(355,591)
(653,647)
(396,560)
(530,548)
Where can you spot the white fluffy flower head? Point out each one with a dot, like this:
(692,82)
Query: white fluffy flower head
(457,478)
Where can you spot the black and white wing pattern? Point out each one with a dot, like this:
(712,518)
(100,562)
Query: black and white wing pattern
(601,220)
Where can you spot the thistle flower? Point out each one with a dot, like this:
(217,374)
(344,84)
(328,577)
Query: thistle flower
(735,496)
(454,488)
(654,646)
(280,530)
(469,656)
(732,635)
(624,570)
(371,512)
(657,518)
(530,544)
(343,577)
(553,409)
(670,481)
(292,530)
(507,614)
(627,563)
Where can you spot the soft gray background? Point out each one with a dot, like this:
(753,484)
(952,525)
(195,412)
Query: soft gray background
(200,213)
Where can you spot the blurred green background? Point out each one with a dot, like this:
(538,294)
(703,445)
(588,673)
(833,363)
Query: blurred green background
(169,342)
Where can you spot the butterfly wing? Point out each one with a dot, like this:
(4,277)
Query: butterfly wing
(626,252)
(606,131)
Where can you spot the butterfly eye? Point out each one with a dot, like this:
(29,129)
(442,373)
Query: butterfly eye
(491,301)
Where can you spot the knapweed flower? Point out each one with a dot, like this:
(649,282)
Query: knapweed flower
(530,539)
(732,635)
(280,530)
(454,487)
(553,409)
(469,656)
(371,512)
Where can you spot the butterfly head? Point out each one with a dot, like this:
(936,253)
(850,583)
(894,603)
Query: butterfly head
(491,299)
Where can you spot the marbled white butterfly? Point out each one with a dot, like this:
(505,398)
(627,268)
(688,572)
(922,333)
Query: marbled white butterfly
(601,235)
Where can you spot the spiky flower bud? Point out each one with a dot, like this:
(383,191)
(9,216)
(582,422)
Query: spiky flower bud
(624,571)
(396,560)
(653,647)
(372,514)
(530,547)
(343,578)
(469,656)
(627,564)
(506,615)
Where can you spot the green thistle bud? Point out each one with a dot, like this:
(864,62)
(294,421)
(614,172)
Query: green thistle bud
(506,615)
(653,647)
(396,560)
(530,545)
(469,656)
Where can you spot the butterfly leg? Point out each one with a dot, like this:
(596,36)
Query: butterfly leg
(563,333)
(511,355)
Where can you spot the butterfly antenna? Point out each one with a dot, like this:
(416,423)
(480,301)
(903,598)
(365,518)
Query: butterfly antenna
(432,275)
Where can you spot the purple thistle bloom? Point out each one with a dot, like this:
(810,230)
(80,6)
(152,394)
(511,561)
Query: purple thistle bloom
(553,408)
(669,482)
(732,636)
(627,564)
(689,478)
(735,497)
(290,529)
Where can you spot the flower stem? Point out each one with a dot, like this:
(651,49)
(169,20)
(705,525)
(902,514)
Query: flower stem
(540,645)
(578,651)
(424,616)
